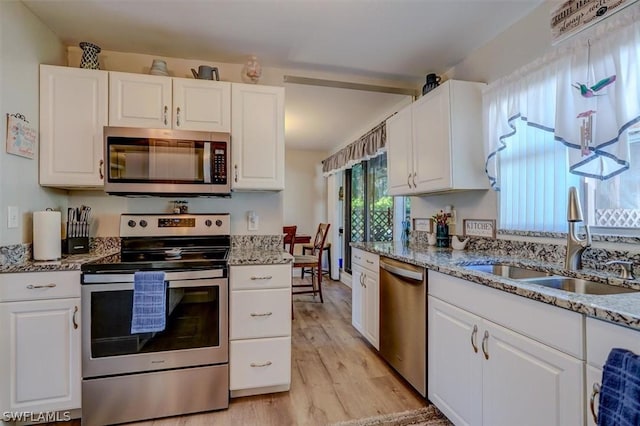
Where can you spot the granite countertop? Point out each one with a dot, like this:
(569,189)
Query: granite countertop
(623,309)
(74,262)
(259,257)
(67,263)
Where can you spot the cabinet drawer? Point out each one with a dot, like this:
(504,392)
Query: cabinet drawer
(603,336)
(553,326)
(260,313)
(259,363)
(39,285)
(256,277)
(365,259)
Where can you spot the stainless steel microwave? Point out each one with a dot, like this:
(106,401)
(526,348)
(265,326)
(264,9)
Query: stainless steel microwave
(165,162)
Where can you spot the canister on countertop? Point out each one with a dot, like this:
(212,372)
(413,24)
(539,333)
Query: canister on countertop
(47,235)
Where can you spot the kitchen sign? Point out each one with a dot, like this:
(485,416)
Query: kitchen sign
(479,228)
(21,136)
(573,16)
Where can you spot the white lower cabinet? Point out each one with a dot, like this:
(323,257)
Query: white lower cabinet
(601,337)
(483,373)
(365,295)
(260,329)
(40,339)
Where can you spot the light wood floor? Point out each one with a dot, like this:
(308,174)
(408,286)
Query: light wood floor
(336,375)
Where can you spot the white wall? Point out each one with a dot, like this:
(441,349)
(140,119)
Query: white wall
(24,43)
(305,194)
(519,45)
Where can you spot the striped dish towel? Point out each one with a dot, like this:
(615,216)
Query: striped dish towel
(149,313)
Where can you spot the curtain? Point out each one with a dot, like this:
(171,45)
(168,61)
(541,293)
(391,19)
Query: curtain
(368,146)
(587,94)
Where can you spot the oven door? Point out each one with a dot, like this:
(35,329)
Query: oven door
(196,330)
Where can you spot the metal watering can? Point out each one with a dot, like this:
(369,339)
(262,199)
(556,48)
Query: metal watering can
(206,72)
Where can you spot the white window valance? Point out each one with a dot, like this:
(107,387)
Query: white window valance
(370,145)
(586,93)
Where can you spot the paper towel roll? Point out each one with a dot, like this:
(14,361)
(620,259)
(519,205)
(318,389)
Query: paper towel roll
(47,235)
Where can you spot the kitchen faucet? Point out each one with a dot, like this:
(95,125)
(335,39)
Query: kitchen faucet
(575,245)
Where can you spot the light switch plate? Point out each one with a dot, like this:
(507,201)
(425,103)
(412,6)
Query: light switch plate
(252,221)
(12,217)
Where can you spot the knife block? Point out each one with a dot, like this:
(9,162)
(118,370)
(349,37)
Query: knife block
(76,245)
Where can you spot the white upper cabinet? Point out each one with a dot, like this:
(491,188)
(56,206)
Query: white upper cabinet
(257,132)
(149,101)
(201,105)
(73,112)
(435,144)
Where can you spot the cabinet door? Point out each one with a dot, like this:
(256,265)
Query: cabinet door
(399,153)
(73,112)
(357,298)
(257,132)
(41,355)
(201,105)
(454,362)
(592,389)
(372,308)
(528,383)
(139,100)
(431,140)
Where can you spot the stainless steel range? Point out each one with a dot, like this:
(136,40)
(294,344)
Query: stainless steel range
(181,369)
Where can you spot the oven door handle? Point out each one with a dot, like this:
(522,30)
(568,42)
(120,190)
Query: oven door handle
(119,286)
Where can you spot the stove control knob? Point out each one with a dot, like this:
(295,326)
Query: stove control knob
(218,223)
(132,223)
(143,223)
(207,222)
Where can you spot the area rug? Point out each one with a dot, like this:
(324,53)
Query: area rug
(427,416)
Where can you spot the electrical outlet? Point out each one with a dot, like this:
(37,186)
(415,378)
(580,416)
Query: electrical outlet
(12,217)
(252,221)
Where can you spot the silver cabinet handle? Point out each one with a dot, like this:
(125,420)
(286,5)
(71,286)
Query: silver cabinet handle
(178,116)
(264,364)
(166,109)
(266,314)
(100,169)
(485,339)
(414,180)
(236,172)
(363,277)
(474,335)
(32,287)
(369,262)
(266,277)
(409,180)
(73,319)
(592,401)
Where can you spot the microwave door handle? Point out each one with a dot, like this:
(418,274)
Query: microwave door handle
(206,167)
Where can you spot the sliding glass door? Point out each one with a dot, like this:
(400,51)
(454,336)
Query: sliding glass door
(369,209)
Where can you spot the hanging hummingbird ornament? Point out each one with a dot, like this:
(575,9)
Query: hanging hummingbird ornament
(589,92)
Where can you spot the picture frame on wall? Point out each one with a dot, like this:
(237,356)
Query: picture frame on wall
(423,224)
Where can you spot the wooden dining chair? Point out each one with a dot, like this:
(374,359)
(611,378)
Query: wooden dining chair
(313,261)
(289,238)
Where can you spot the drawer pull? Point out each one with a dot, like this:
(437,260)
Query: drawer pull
(265,364)
(592,401)
(75,323)
(484,342)
(369,262)
(266,314)
(266,277)
(474,335)
(32,287)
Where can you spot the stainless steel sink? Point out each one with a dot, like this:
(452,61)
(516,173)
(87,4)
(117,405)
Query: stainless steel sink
(509,271)
(577,285)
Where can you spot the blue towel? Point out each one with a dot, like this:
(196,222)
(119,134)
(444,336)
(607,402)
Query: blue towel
(149,302)
(620,390)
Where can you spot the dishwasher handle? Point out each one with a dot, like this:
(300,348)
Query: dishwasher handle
(405,273)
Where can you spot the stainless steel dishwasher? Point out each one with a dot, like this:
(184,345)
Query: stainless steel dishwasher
(403,320)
